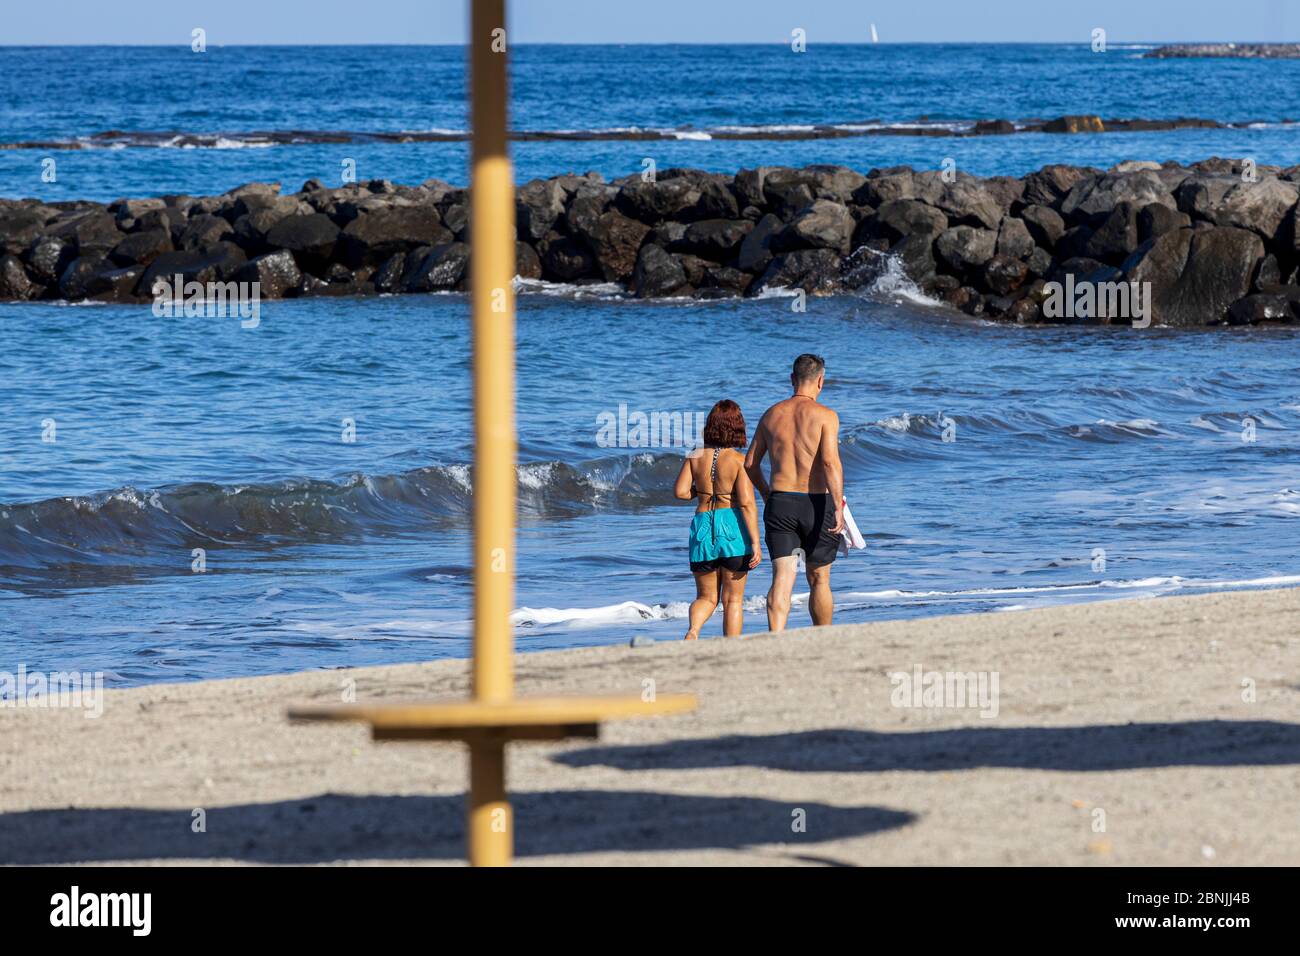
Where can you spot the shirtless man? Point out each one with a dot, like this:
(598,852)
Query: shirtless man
(801,512)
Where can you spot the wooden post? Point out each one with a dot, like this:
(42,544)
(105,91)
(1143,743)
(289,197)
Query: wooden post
(492,270)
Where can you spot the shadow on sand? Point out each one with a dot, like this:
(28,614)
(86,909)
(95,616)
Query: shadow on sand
(1198,743)
(338,827)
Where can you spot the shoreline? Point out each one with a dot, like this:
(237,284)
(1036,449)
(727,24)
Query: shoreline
(1213,243)
(1135,708)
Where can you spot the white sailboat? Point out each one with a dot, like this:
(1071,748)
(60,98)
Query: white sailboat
(874,37)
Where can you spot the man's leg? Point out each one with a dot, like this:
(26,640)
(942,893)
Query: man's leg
(778,597)
(821,603)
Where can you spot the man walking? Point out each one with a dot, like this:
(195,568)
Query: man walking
(802,513)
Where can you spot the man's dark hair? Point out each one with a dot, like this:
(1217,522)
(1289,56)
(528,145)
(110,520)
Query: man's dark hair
(807,367)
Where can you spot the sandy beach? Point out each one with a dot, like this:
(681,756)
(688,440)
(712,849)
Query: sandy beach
(1131,732)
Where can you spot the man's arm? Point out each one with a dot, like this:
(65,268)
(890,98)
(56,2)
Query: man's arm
(754,459)
(832,467)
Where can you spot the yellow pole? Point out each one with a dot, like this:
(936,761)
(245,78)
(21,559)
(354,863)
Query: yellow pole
(492,268)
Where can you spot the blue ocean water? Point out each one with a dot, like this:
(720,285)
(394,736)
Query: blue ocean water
(1086,463)
(60,94)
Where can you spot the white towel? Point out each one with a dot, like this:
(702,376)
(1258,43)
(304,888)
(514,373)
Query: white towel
(850,537)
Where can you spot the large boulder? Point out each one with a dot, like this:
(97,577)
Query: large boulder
(91,277)
(1263,207)
(657,273)
(966,200)
(564,258)
(896,219)
(814,270)
(374,237)
(1049,185)
(142,247)
(882,186)
(756,248)
(715,239)
(616,239)
(93,234)
(276,274)
(1014,239)
(47,257)
(538,204)
(1155,219)
(822,224)
(20,225)
(1090,201)
(589,203)
(965,249)
(15,283)
(1196,274)
(215,264)
(438,268)
(202,231)
(653,202)
(310,238)
(1117,237)
(1044,224)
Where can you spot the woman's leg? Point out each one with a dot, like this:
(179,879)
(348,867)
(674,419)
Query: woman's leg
(705,603)
(733,602)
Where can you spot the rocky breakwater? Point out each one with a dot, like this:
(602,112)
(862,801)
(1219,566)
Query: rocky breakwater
(1212,243)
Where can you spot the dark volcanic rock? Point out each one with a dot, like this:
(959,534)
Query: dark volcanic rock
(15,283)
(823,224)
(528,265)
(1262,307)
(216,264)
(653,202)
(1155,219)
(1196,275)
(965,249)
(276,273)
(202,231)
(1049,185)
(538,204)
(564,258)
(142,247)
(715,239)
(374,237)
(1117,237)
(1044,224)
(1014,239)
(899,218)
(756,248)
(1004,275)
(813,270)
(311,238)
(657,273)
(1090,201)
(433,269)
(48,257)
(91,234)
(1261,207)
(616,239)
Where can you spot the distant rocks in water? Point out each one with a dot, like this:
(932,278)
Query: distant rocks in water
(1244,51)
(1213,243)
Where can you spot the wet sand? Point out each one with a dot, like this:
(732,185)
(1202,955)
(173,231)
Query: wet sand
(1161,731)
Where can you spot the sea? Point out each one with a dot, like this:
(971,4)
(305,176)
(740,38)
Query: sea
(190,498)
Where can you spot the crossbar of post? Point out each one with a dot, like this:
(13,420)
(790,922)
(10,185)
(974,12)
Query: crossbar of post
(492,269)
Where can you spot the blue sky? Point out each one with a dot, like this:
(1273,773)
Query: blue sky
(643,21)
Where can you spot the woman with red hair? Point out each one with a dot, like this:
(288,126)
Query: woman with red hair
(724,539)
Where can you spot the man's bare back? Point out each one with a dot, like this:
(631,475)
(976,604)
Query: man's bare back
(794,433)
